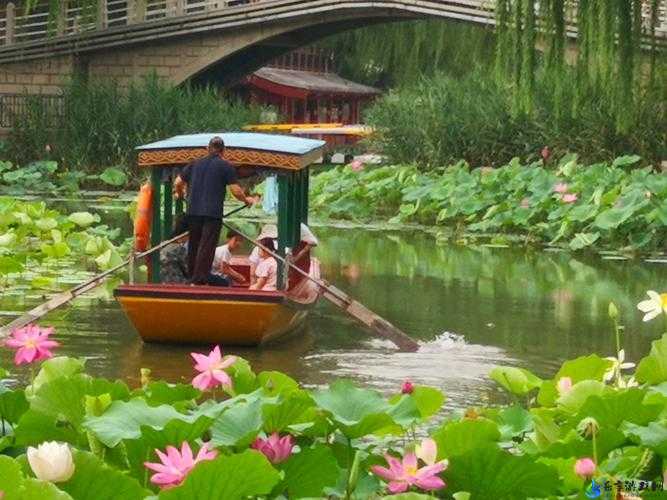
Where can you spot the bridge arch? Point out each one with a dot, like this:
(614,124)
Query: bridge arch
(180,48)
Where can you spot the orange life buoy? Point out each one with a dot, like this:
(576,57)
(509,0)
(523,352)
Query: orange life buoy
(142,221)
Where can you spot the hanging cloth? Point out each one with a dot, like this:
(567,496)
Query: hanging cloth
(270,199)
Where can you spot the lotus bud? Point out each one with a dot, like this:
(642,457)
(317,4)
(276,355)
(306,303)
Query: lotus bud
(407,387)
(564,385)
(588,427)
(613,311)
(584,468)
(51,461)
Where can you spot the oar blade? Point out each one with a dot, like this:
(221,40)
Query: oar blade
(380,326)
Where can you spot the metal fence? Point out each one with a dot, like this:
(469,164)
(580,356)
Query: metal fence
(15,107)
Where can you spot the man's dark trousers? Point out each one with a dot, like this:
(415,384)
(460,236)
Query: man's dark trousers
(204,236)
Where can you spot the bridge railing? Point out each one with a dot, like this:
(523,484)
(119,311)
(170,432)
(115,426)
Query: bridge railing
(40,23)
(17,27)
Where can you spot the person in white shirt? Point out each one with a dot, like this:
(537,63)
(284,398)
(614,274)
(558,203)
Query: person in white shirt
(223,258)
(266,272)
(268,231)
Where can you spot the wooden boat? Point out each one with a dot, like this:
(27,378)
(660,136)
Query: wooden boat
(163,312)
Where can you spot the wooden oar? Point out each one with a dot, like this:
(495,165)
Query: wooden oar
(340,299)
(63,298)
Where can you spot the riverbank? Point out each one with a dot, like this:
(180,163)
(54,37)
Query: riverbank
(605,206)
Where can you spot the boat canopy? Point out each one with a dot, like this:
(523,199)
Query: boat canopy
(286,156)
(268,151)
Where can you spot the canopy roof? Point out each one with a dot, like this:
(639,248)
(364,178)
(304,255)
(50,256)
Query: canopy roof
(241,148)
(301,84)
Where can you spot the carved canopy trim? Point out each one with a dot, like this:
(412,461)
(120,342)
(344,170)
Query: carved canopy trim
(170,157)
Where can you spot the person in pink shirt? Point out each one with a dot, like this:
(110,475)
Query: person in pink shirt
(266,271)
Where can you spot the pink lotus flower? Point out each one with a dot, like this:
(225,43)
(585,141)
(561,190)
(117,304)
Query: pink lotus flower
(525,203)
(212,370)
(569,197)
(407,387)
(175,465)
(584,468)
(564,385)
(31,343)
(277,449)
(357,165)
(561,187)
(402,474)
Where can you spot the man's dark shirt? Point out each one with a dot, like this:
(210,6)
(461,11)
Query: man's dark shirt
(207,185)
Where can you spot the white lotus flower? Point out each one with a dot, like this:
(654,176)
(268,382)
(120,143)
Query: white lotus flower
(618,364)
(656,304)
(427,450)
(51,461)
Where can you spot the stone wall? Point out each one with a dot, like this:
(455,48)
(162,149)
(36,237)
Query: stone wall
(44,76)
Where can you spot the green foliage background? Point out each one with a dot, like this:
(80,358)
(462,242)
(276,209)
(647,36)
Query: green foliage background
(100,122)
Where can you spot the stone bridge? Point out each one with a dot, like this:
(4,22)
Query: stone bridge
(185,39)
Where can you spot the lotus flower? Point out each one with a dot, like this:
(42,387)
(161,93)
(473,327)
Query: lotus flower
(561,187)
(31,343)
(404,473)
(564,385)
(584,468)
(212,370)
(618,364)
(51,461)
(427,451)
(357,165)
(407,387)
(175,465)
(277,449)
(569,197)
(525,203)
(654,306)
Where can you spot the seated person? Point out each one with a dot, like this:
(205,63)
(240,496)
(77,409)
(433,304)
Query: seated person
(174,258)
(222,260)
(268,231)
(301,256)
(266,272)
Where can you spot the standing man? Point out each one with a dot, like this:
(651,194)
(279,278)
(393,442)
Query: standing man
(206,181)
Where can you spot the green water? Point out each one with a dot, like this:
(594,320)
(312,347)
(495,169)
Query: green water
(470,308)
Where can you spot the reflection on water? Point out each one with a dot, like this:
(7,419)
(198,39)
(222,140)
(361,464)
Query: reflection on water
(472,308)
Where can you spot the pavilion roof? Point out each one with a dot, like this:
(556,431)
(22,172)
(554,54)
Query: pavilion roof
(310,82)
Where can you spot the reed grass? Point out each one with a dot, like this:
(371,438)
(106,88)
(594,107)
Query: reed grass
(101,122)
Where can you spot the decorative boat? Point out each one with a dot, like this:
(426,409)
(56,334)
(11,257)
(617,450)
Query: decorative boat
(163,312)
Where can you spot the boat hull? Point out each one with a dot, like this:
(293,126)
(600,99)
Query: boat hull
(208,315)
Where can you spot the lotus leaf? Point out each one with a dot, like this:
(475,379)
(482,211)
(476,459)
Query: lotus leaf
(232,477)
(309,472)
(653,368)
(83,219)
(516,380)
(357,412)
(488,472)
(458,437)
